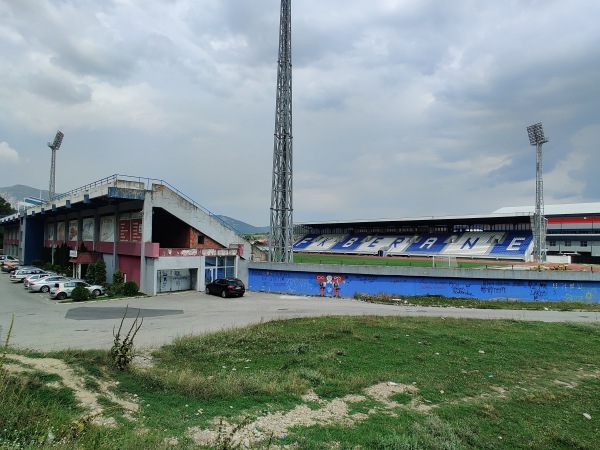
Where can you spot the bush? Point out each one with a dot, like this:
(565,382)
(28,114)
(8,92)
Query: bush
(80,294)
(114,290)
(130,289)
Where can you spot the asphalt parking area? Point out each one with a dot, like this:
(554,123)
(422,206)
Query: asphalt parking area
(109,313)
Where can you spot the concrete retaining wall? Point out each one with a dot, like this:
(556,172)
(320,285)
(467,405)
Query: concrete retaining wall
(518,285)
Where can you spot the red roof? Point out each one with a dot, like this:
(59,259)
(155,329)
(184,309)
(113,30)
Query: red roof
(86,258)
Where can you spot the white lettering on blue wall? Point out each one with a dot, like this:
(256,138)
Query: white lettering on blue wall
(350,242)
(429,242)
(515,244)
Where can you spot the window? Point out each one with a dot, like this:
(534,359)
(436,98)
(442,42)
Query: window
(552,243)
(567,243)
(584,243)
(201,239)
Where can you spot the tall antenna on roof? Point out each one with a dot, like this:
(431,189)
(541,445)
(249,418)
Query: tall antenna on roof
(54,146)
(281,226)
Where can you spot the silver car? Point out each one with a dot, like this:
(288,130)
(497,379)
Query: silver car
(64,289)
(8,258)
(34,277)
(44,284)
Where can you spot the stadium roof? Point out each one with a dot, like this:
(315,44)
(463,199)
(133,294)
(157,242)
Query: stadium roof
(555,210)
(510,214)
(495,218)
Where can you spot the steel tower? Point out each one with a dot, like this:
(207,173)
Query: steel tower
(281,225)
(537,139)
(54,146)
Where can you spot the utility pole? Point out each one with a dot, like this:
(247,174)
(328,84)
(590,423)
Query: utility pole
(281,225)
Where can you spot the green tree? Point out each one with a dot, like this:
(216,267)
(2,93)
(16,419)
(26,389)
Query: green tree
(115,289)
(90,273)
(100,272)
(96,273)
(5,210)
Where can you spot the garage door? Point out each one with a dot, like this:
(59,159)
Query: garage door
(173,280)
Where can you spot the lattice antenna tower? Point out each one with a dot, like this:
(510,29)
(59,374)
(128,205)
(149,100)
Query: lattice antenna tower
(537,139)
(281,225)
(54,146)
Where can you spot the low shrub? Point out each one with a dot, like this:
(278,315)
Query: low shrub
(130,289)
(80,294)
(117,287)
(114,290)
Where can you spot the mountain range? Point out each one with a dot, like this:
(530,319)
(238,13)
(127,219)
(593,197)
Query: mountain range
(15,194)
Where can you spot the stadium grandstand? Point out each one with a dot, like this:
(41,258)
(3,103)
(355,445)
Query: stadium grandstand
(572,235)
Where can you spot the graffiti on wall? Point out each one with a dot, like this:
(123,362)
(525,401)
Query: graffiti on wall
(347,285)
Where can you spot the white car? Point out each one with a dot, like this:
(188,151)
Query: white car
(64,289)
(19,275)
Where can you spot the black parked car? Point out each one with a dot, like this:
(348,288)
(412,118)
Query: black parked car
(225,287)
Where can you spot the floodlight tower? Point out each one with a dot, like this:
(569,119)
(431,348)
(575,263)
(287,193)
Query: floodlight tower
(281,225)
(537,139)
(54,146)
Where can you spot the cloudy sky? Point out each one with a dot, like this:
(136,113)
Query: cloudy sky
(401,108)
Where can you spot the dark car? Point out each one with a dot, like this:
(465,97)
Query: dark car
(226,287)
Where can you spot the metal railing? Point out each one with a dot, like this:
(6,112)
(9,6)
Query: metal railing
(148,183)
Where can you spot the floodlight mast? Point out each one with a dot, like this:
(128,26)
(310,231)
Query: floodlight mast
(54,146)
(281,225)
(537,139)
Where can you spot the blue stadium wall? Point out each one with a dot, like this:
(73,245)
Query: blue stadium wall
(305,279)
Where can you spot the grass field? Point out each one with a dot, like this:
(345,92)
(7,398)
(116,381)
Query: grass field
(350,260)
(334,382)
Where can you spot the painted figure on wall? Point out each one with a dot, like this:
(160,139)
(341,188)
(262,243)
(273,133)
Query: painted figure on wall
(329,285)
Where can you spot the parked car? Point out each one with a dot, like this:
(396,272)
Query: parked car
(226,287)
(34,277)
(8,266)
(20,274)
(8,258)
(64,289)
(44,284)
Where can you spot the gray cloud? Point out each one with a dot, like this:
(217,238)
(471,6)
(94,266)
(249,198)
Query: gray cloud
(401,108)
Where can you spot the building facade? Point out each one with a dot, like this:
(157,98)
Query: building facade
(144,228)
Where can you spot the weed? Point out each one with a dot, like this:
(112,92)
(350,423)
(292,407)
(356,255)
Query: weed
(122,350)
(6,341)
